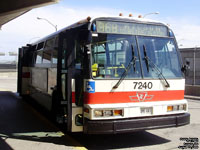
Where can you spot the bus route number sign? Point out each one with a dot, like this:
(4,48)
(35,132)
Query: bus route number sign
(142,85)
(131,28)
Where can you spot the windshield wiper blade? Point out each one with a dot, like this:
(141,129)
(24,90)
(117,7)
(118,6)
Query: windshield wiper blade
(133,57)
(151,63)
(146,58)
(124,74)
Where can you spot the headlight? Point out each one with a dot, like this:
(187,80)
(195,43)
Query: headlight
(98,113)
(107,113)
(183,107)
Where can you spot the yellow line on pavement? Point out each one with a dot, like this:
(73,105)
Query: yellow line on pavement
(81,148)
(77,146)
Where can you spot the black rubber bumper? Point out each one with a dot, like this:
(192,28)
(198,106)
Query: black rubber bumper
(134,124)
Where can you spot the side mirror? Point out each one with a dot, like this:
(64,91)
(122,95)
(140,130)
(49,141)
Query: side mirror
(186,68)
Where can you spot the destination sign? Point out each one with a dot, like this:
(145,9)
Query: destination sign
(131,28)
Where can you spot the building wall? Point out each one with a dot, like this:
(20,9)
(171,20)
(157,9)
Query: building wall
(192,55)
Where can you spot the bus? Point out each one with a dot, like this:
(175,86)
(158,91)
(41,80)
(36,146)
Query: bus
(107,75)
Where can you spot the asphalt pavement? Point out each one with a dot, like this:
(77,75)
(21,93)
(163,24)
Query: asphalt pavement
(23,128)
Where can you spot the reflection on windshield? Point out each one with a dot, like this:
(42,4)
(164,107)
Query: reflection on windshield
(111,54)
(162,52)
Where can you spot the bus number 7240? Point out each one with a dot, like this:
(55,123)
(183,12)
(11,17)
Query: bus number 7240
(143,85)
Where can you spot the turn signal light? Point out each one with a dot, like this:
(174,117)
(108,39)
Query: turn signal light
(117,112)
(169,108)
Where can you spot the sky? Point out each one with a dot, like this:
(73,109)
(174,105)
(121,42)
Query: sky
(182,16)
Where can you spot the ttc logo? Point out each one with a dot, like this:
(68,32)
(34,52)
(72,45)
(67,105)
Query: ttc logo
(90,86)
(141,97)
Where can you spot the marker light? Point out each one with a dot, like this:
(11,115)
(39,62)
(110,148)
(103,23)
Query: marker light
(120,14)
(84,20)
(26,75)
(86,110)
(88,18)
(140,16)
(130,15)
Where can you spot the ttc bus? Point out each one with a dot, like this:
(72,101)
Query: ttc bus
(107,75)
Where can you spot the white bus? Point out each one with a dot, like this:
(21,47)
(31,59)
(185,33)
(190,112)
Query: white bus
(107,75)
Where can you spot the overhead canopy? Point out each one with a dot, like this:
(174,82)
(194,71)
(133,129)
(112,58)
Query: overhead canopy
(10,9)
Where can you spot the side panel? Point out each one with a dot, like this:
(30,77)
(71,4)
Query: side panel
(39,87)
(39,78)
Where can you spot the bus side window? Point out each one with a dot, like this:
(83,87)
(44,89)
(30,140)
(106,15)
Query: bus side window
(39,57)
(54,57)
(47,57)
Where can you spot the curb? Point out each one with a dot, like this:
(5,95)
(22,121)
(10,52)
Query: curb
(192,97)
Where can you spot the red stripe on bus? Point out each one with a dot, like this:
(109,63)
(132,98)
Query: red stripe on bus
(132,97)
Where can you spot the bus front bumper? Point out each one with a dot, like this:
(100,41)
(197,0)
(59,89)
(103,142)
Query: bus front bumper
(134,124)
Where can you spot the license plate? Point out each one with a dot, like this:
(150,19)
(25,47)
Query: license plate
(146,110)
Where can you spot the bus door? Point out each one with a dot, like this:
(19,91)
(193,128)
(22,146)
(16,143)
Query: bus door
(23,71)
(65,74)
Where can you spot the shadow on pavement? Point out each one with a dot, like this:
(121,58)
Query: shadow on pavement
(119,141)
(4,145)
(20,121)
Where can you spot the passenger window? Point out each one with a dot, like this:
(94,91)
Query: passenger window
(47,57)
(54,56)
(50,43)
(39,57)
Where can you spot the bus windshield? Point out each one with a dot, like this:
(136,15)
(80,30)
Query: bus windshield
(113,53)
(162,55)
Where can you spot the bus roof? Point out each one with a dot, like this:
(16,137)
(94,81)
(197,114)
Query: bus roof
(131,19)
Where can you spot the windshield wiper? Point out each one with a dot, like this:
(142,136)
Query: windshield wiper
(124,74)
(146,58)
(154,66)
